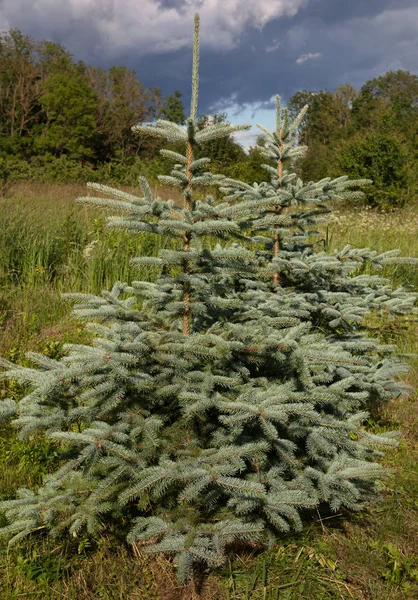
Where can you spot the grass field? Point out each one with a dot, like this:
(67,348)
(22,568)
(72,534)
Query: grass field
(49,245)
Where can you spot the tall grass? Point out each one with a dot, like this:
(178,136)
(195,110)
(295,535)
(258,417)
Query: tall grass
(49,240)
(379,231)
(49,245)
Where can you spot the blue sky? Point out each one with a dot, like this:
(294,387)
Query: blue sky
(250,49)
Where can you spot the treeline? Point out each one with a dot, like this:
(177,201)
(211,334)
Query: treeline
(371,133)
(53,108)
(62,120)
(50,104)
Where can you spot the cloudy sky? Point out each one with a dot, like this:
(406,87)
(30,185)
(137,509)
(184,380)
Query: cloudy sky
(250,49)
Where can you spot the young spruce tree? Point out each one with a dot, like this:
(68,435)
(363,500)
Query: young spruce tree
(225,399)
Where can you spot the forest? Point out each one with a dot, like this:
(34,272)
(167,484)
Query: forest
(66,121)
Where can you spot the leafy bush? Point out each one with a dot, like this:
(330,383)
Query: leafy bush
(382,158)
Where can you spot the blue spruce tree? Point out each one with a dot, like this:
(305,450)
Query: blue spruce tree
(225,399)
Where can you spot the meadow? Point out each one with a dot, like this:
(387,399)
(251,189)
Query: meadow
(50,245)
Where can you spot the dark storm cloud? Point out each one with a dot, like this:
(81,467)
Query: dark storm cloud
(327,43)
(338,11)
(181,5)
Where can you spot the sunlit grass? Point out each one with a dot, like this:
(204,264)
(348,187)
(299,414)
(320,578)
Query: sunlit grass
(379,231)
(50,245)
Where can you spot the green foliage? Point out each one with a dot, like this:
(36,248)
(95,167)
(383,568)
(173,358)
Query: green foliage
(69,105)
(174,109)
(394,94)
(47,247)
(334,557)
(222,151)
(399,567)
(127,102)
(43,168)
(47,168)
(370,134)
(50,104)
(381,157)
(249,170)
(37,457)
